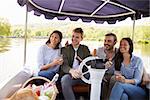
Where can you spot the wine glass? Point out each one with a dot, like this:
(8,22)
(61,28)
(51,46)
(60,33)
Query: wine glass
(60,57)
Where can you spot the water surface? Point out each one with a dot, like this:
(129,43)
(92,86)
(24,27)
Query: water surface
(12,53)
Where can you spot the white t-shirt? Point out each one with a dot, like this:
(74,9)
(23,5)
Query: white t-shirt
(75,61)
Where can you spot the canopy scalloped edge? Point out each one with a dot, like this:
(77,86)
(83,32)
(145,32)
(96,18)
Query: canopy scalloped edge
(39,8)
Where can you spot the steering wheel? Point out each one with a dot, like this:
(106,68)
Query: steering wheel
(85,68)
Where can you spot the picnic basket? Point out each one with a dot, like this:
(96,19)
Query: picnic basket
(37,78)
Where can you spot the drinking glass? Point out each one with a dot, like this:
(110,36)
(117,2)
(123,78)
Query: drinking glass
(117,73)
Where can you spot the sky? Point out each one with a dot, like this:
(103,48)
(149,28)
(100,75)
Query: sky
(10,9)
(15,14)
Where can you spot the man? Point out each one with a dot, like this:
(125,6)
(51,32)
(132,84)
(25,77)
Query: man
(72,56)
(107,52)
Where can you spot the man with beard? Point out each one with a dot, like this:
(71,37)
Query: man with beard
(107,52)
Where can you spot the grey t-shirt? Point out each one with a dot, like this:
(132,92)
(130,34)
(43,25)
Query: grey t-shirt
(102,55)
(46,55)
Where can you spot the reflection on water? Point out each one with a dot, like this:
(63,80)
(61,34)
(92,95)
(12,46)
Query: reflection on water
(144,48)
(143,51)
(12,53)
(4,44)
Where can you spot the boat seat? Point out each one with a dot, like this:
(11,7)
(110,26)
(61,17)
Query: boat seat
(13,84)
(78,88)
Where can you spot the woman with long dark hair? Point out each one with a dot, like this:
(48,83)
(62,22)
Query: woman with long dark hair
(49,56)
(130,70)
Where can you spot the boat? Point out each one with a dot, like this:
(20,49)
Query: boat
(87,10)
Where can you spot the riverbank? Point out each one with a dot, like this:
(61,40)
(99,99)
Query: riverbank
(145,41)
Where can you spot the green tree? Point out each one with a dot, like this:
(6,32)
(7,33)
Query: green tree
(4,27)
(18,32)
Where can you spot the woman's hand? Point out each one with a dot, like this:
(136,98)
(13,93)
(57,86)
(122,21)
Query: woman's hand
(60,61)
(57,61)
(121,78)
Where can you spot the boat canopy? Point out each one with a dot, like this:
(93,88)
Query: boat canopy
(88,10)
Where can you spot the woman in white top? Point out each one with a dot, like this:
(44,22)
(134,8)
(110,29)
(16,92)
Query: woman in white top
(49,59)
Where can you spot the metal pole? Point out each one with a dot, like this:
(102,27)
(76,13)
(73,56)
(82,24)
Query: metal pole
(133,28)
(25,34)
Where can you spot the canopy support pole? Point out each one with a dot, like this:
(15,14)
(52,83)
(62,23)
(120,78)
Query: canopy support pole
(133,29)
(25,34)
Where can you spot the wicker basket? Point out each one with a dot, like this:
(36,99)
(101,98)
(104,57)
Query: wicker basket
(31,81)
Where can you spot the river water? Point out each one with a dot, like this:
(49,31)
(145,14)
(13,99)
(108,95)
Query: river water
(12,54)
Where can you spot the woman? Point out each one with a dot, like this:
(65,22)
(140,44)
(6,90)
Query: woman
(131,71)
(49,58)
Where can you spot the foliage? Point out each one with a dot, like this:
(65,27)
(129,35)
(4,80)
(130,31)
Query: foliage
(18,32)
(5,27)
(91,32)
